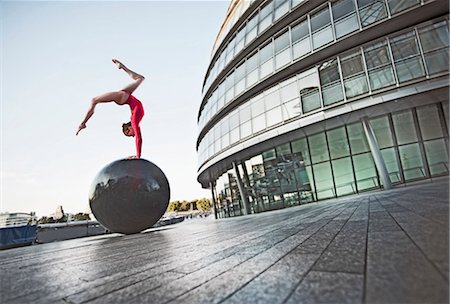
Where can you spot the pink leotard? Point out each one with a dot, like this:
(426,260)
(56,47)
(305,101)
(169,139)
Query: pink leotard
(137,112)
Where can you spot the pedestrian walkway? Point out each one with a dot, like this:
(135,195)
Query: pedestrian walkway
(379,247)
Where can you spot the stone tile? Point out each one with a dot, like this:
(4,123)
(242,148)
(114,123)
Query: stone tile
(397,271)
(274,285)
(329,287)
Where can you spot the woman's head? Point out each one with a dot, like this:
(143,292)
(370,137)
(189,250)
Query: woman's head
(127,129)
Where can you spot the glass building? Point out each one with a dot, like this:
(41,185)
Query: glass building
(310,100)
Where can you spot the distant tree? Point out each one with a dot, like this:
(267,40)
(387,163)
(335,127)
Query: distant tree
(204,204)
(173,206)
(185,206)
(81,217)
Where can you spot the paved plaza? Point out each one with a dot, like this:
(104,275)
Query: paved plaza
(378,247)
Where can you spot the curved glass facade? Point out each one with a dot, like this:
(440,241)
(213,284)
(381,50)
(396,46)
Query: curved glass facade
(317,121)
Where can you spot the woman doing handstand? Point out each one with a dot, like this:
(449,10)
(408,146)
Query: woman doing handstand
(123,97)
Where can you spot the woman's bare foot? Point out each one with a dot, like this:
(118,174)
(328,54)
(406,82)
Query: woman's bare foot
(118,64)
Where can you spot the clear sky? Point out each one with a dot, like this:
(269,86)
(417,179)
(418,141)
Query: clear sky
(56,56)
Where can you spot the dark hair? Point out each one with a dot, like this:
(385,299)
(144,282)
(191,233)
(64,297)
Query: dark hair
(125,126)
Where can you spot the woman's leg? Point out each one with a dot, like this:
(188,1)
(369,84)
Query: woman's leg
(118,97)
(138,78)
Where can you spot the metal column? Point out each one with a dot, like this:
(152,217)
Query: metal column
(211,184)
(241,190)
(376,154)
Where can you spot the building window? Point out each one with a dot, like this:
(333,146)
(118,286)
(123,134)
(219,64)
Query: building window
(319,148)
(252,70)
(281,8)
(239,78)
(382,131)
(379,65)
(390,160)
(357,138)
(365,171)
(408,62)
(437,156)
(266,60)
(411,159)
(301,41)
(435,41)
(371,11)
(343,176)
(265,17)
(429,122)
(310,99)
(355,82)
(300,148)
(337,143)
(282,50)
(229,88)
(330,81)
(396,6)
(321,28)
(251,29)
(344,16)
(324,180)
(404,127)
(240,39)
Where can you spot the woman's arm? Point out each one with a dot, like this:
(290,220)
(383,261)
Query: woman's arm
(89,114)
(138,138)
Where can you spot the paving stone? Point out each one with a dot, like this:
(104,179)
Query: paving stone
(382,246)
(329,287)
(397,271)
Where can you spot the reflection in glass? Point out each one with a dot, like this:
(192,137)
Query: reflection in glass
(371,11)
(344,16)
(318,146)
(300,39)
(411,159)
(300,148)
(390,160)
(379,65)
(382,131)
(429,122)
(355,82)
(365,171)
(324,180)
(396,6)
(437,156)
(331,82)
(281,8)
(252,70)
(282,50)
(343,176)
(310,99)
(321,28)
(408,62)
(357,138)
(265,17)
(337,143)
(404,127)
(435,42)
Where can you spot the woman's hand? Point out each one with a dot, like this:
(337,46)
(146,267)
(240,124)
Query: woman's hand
(119,64)
(81,127)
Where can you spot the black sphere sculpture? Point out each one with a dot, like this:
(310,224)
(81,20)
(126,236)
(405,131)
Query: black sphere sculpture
(129,195)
